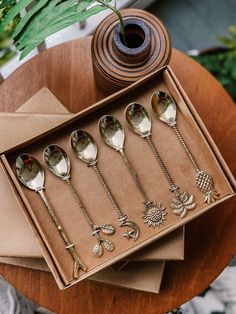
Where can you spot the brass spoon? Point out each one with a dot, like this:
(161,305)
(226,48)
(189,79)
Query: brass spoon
(30,173)
(113,135)
(164,107)
(85,149)
(140,122)
(58,163)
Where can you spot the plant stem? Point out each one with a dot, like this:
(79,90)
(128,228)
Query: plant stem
(117,12)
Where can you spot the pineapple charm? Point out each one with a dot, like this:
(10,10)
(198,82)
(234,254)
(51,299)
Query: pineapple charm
(164,108)
(205,184)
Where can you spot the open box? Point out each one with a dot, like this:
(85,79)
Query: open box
(44,110)
(150,174)
(14,230)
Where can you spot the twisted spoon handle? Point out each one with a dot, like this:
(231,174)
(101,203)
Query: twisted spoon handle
(173,187)
(204,181)
(95,229)
(187,150)
(134,176)
(111,197)
(81,205)
(78,263)
(183,201)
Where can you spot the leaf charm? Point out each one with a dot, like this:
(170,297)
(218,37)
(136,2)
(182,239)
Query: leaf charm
(107,229)
(108,245)
(98,250)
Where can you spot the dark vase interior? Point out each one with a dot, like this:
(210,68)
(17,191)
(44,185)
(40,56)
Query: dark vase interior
(138,41)
(134,36)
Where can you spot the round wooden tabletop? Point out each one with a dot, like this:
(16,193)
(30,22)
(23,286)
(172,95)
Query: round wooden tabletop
(210,240)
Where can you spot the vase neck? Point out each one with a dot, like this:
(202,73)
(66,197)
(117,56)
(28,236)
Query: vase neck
(138,41)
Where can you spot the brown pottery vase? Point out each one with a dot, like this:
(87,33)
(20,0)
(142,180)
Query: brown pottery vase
(116,64)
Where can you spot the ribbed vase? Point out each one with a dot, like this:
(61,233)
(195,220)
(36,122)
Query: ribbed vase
(147,48)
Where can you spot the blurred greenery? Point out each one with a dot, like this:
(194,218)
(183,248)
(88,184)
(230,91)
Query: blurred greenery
(223,64)
(7,50)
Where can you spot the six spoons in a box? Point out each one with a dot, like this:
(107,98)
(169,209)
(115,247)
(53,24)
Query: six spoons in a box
(31,174)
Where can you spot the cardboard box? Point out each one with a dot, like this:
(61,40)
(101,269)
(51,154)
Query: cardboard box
(194,132)
(141,276)
(14,228)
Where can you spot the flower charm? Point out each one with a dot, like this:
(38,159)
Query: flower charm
(154,214)
(205,184)
(182,204)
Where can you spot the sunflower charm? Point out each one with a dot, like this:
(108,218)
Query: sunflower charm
(182,204)
(154,214)
(205,184)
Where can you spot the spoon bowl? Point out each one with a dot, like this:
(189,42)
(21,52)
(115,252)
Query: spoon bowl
(112,132)
(164,107)
(57,160)
(30,172)
(138,119)
(83,146)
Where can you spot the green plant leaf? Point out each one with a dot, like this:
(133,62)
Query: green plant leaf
(59,26)
(228,42)
(5,3)
(232,31)
(13,13)
(7,55)
(223,67)
(39,5)
(61,11)
(36,20)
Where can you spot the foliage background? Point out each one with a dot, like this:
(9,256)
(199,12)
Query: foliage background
(7,50)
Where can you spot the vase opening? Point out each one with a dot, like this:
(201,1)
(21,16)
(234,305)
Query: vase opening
(138,41)
(134,36)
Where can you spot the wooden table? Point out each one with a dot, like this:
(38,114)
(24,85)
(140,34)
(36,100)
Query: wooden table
(210,240)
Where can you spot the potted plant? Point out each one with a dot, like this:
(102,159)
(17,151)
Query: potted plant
(221,61)
(126,45)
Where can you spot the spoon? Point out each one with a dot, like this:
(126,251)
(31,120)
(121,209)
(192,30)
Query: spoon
(85,149)
(30,173)
(113,135)
(164,107)
(58,163)
(139,121)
